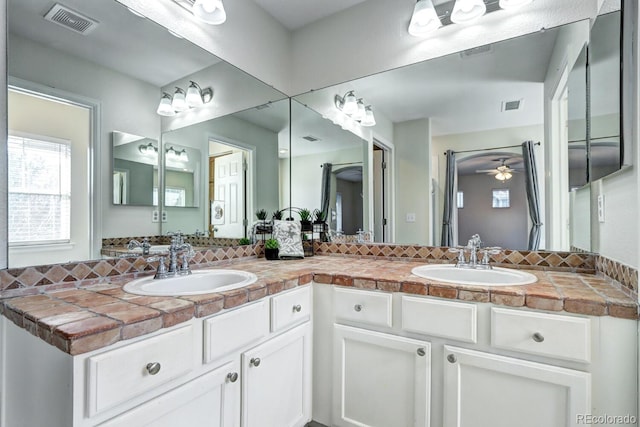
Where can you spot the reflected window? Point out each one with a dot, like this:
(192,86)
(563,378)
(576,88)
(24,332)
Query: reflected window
(500,198)
(339,212)
(39,174)
(460,200)
(173,196)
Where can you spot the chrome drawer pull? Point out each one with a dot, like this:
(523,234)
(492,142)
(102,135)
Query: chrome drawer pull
(297,308)
(232,377)
(255,361)
(452,358)
(357,307)
(421,351)
(538,337)
(153,368)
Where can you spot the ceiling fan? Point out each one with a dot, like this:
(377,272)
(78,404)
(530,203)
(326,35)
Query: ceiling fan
(502,172)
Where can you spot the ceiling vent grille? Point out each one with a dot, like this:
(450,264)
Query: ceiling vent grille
(311,138)
(480,50)
(71,19)
(511,105)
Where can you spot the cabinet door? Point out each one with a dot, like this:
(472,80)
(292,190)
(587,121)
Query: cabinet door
(482,389)
(380,380)
(276,381)
(212,400)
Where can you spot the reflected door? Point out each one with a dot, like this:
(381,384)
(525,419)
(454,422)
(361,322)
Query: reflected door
(227,214)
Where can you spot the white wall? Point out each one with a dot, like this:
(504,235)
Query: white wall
(487,139)
(46,66)
(412,142)
(250,39)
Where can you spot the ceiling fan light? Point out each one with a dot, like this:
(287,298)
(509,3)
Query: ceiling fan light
(424,19)
(209,11)
(465,11)
(165,108)
(512,4)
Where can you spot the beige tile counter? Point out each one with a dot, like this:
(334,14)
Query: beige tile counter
(79,320)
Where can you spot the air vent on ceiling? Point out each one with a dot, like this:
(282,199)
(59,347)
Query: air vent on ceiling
(480,50)
(511,105)
(70,19)
(311,138)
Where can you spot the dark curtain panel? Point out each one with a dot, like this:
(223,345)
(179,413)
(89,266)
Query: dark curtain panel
(449,200)
(533,194)
(326,189)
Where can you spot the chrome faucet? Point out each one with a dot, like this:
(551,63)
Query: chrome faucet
(145,245)
(473,246)
(177,247)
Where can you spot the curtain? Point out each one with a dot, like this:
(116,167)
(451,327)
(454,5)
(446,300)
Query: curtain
(533,194)
(449,200)
(326,189)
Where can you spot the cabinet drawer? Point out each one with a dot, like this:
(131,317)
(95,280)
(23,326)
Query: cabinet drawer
(372,308)
(455,320)
(562,337)
(118,375)
(235,329)
(290,308)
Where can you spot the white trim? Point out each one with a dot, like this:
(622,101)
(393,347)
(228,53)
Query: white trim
(41,247)
(95,111)
(389,147)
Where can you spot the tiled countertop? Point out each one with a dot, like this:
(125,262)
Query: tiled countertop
(79,320)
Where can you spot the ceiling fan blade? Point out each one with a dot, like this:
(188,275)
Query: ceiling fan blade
(487,171)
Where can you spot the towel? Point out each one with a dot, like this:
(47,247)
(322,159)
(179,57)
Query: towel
(288,235)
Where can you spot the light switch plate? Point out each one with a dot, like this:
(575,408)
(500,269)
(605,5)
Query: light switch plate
(155,216)
(164,216)
(601,208)
(411,217)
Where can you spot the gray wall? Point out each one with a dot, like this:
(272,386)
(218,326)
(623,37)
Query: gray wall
(351,205)
(140,184)
(505,227)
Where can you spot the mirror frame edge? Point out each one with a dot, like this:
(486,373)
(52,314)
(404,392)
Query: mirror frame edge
(4,231)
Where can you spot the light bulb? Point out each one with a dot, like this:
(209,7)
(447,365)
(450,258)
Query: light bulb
(369,118)
(465,11)
(209,11)
(194,96)
(179,102)
(350,105)
(424,19)
(360,112)
(165,108)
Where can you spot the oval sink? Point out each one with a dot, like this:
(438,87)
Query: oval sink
(200,282)
(496,276)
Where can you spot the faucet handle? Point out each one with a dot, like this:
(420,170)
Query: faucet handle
(161,272)
(494,250)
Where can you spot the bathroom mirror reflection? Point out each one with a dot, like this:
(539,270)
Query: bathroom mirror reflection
(135,169)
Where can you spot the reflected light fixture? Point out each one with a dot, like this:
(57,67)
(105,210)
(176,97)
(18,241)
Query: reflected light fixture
(509,4)
(348,103)
(503,176)
(148,149)
(424,19)
(360,112)
(165,108)
(209,11)
(194,97)
(468,11)
(369,119)
(183,156)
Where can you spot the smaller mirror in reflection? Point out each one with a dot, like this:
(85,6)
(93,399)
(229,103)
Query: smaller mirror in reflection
(135,169)
(181,176)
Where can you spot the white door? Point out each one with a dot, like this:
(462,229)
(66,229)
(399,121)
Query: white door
(276,381)
(212,400)
(486,390)
(380,380)
(229,188)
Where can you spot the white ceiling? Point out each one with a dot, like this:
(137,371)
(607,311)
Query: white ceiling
(122,41)
(294,14)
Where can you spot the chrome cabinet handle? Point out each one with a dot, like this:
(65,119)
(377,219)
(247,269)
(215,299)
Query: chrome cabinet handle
(452,358)
(538,337)
(357,307)
(153,368)
(297,308)
(232,377)
(421,351)
(255,361)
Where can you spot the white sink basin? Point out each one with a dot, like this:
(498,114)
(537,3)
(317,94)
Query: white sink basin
(496,276)
(200,282)
(155,249)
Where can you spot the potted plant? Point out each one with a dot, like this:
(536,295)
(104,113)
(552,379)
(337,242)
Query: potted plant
(244,241)
(277,215)
(305,219)
(319,216)
(271,249)
(261,214)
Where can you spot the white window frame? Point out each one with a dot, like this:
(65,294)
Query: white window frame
(49,242)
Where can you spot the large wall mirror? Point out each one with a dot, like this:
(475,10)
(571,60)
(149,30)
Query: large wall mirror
(482,103)
(107,74)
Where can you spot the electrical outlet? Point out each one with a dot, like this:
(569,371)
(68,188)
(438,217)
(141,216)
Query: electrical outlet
(155,216)
(601,208)
(164,216)
(411,217)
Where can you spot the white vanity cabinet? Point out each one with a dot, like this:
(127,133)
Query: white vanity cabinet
(229,370)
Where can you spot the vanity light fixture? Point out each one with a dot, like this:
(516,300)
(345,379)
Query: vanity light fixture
(194,97)
(428,17)
(165,108)
(468,11)
(360,112)
(348,103)
(369,118)
(424,19)
(209,11)
(355,108)
(173,155)
(148,149)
